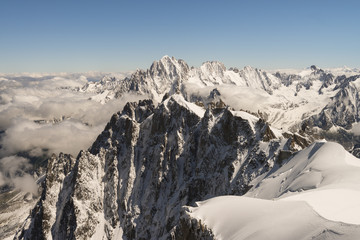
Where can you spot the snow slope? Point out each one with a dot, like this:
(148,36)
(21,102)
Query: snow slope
(315,195)
(232,217)
(324,165)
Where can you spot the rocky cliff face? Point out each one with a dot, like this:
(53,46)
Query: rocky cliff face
(336,120)
(45,216)
(146,165)
(342,110)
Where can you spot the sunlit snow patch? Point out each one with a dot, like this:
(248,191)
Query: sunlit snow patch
(315,195)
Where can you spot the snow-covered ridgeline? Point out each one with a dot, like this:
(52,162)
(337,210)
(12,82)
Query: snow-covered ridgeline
(315,195)
(288,98)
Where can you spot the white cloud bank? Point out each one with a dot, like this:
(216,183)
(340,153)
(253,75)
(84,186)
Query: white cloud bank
(43,114)
(69,120)
(13,173)
(237,97)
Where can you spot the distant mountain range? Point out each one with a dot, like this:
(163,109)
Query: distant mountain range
(308,100)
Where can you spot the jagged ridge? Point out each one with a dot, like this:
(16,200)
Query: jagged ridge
(146,165)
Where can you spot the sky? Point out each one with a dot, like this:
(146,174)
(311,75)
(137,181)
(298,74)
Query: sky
(118,36)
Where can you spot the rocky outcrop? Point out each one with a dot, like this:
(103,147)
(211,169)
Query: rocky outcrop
(190,228)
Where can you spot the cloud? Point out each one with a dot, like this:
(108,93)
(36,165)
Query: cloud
(42,114)
(72,125)
(2,179)
(68,136)
(11,165)
(239,98)
(26,183)
(244,98)
(14,173)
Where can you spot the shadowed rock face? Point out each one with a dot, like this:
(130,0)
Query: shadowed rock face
(42,219)
(145,166)
(342,110)
(338,115)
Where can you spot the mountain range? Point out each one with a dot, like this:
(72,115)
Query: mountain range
(213,153)
(319,102)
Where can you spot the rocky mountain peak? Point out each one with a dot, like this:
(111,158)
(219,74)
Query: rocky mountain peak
(248,68)
(258,79)
(213,67)
(313,68)
(169,68)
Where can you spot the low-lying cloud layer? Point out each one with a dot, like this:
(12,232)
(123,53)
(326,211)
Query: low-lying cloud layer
(13,173)
(49,114)
(237,97)
(45,114)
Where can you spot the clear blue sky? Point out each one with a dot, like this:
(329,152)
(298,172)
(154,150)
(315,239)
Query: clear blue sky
(79,35)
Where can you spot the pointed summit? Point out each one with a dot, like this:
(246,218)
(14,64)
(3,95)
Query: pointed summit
(248,68)
(169,68)
(167,58)
(213,68)
(313,67)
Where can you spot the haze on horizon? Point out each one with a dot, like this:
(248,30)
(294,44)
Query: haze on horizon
(118,36)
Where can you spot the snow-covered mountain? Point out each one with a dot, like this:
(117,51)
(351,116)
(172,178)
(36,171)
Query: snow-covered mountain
(316,195)
(165,75)
(204,133)
(287,98)
(169,74)
(148,163)
(342,109)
